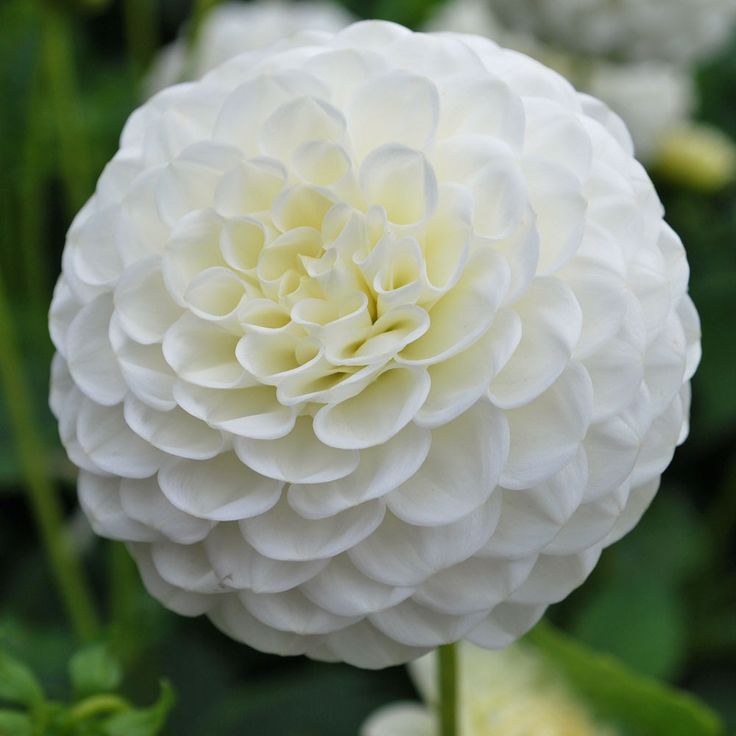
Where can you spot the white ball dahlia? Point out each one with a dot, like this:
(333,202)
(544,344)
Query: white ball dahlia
(679,31)
(371,341)
(233,28)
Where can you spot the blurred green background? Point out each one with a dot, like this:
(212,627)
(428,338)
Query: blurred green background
(663,600)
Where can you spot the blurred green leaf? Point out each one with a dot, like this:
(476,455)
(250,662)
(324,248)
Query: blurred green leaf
(143,722)
(17,683)
(94,670)
(669,545)
(640,705)
(13,723)
(638,620)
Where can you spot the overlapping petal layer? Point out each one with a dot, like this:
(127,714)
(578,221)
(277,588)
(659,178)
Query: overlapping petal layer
(369,342)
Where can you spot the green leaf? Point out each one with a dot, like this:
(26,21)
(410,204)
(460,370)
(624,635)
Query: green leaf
(13,723)
(145,721)
(94,670)
(17,683)
(639,620)
(639,704)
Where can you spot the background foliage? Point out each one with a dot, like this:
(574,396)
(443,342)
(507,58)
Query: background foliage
(663,600)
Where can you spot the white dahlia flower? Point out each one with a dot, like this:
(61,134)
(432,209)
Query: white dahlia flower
(512,692)
(679,31)
(371,341)
(653,98)
(233,28)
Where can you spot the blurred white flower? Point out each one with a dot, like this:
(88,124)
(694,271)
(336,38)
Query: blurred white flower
(652,98)
(466,16)
(512,692)
(233,28)
(371,342)
(678,31)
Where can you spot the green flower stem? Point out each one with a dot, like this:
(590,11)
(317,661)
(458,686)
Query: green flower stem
(447,680)
(123,582)
(97,705)
(44,500)
(64,107)
(141,26)
(199,12)
(32,206)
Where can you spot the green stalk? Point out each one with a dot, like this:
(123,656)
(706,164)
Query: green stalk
(64,107)
(123,582)
(447,681)
(43,497)
(141,31)
(31,206)
(199,12)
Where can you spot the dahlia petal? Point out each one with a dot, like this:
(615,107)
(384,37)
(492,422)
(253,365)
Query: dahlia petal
(143,502)
(363,645)
(560,210)
(396,108)
(282,534)
(64,308)
(473,586)
(298,122)
(344,591)
(251,186)
(110,443)
(637,503)
(194,247)
(381,469)
(238,566)
(401,180)
(605,441)
(590,524)
(143,307)
(481,105)
(100,498)
(556,135)
(546,433)
(185,567)
(531,518)
(298,457)
(458,382)
(551,320)
(145,370)
(203,353)
(183,602)
(506,623)
(460,317)
(555,577)
(403,555)
(231,617)
(215,294)
(174,432)
(233,490)
(94,248)
(90,358)
(417,626)
(452,482)
(293,612)
(376,414)
(252,412)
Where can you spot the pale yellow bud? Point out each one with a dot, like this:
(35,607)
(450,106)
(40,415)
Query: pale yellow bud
(698,156)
